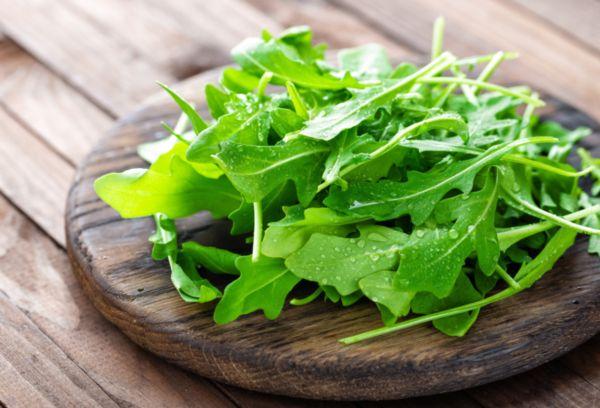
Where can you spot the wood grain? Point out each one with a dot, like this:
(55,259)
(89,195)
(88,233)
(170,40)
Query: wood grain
(578,20)
(298,354)
(87,58)
(34,372)
(33,176)
(36,279)
(49,107)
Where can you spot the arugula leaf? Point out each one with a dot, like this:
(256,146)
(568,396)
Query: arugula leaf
(238,81)
(179,193)
(286,236)
(216,100)
(190,285)
(257,170)
(285,121)
(417,196)
(184,276)
(379,288)
(214,259)
(342,262)
(262,285)
(462,293)
(257,56)
(164,239)
(433,257)
(343,154)
(250,126)
(273,207)
(334,119)
(368,61)
(198,124)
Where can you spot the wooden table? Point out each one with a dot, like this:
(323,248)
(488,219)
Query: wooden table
(69,68)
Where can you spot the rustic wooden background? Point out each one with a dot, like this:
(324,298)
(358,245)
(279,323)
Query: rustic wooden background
(69,68)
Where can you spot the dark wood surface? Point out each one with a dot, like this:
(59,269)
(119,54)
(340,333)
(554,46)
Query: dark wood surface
(70,68)
(298,355)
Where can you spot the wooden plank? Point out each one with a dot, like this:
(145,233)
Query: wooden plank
(34,372)
(36,278)
(551,385)
(103,68)
(549,60)
(156,34)
(48,106)
(183,37)
(578,19)
(330,24)
(33,176)
(585,361)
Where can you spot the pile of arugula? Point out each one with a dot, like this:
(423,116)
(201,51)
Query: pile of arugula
(418,189)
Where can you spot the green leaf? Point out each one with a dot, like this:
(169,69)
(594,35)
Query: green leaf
(257,170)
(433,257)
(288,235)
(216,100)
(238,81)
(343,153)
(198,124)
(214,259)
(343,262)
(248,126)
(417,196)
(162,164)
(462,293)
(190,285)
(368,61)
(285,121)
(379,288)
(335,118)
(262,285)
(164,239)
(179,193)
(300,37)
(257,56)
(272,208)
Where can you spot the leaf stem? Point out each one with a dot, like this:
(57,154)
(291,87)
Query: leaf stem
(437,41)
(485,58)
(299,106)
(262,83)
(541,213)
(430,317)
(306,300)
(257,237)
(509,236)
(490,68)
(484,85)
(507,278)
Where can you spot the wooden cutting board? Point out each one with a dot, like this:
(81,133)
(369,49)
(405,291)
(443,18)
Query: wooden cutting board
(298,354)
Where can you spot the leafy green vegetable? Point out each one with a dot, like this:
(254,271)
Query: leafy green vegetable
(342,262)
(179,193)
(257,170)
(419,189)
(462,293)
(262,285)
(433,257)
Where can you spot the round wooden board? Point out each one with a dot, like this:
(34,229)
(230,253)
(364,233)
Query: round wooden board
(298,354)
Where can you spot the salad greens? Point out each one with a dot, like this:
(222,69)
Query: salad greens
(421,190)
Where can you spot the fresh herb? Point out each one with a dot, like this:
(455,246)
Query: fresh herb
(420,190)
